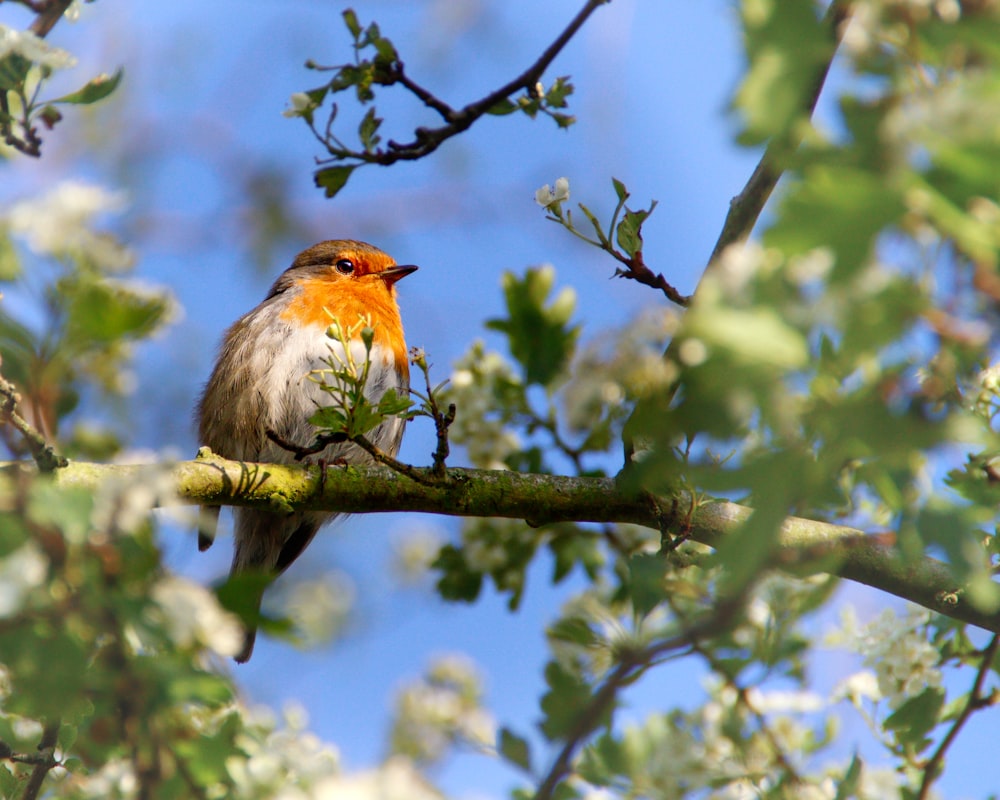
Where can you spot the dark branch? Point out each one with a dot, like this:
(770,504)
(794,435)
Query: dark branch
(636,270)
(975,703)
(49,13)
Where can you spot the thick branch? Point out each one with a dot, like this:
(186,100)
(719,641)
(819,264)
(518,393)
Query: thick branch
(840,550)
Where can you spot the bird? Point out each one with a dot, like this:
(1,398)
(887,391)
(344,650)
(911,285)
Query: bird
(260,391)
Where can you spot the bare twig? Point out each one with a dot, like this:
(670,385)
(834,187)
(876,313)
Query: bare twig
(976,702)
(324,440)
(46,751)
(46,458)
(427,140)
(49,13)
(636,270)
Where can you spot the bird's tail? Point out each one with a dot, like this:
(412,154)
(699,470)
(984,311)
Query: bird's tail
(208,522)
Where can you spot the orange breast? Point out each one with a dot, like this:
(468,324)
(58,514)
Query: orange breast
(318,302)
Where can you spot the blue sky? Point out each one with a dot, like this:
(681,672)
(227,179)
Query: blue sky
(200,112)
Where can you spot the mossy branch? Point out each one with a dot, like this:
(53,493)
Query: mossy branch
(804,545)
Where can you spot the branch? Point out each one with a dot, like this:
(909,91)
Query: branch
(723,616)
(49,13)
(976,702)
(46,748)
(803,544)
(745,208)
(428,140)
(46,458)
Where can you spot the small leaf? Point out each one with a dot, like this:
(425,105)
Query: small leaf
(351,21)
(502,108)
(99,88)
(457,581)
(329,418)
(629,233)
(368,130)
(564,702)
(848,786)
(515,749)
(333,179)
(916,718)
(392,403)
(645,582)
(620,190)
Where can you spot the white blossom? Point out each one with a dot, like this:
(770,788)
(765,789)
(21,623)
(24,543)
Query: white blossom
(194,617)
(321,608)
(415,551)
(396,779)
(442,709)
(301,105)
(479,377)
(895,649)
(27,45)
(123,505)
(59,223)
(20,572)
(546,196)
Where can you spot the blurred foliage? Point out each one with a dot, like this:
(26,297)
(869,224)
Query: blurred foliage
(840,367)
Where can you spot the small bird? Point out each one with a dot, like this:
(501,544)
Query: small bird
(261,383)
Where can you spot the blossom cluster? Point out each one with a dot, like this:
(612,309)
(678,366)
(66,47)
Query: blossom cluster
(440,710)
(479,382)
(895,650)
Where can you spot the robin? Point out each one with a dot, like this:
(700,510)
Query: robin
(261,383)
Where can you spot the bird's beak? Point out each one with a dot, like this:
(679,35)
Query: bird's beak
(393,274)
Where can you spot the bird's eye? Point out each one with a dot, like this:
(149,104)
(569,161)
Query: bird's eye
(344,266)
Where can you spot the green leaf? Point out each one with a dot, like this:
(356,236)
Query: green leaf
(97,89)
(756,337)
(539,335)
(10,264)
(457,581)
(351,21)
(329,418)
(103,311)
(556,96)
(916,718)
(367,130)
(629,233)
(332,179)
(620,190)
(645,584)
(848,786)
(515,749)
(786,46)
(392,404)
(564,702)
(502,107)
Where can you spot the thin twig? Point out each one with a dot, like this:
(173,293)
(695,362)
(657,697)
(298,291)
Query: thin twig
(45,457)
(624,674)
(975,703)
(324,440)
(46,748)
(427,140)
(746,207)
